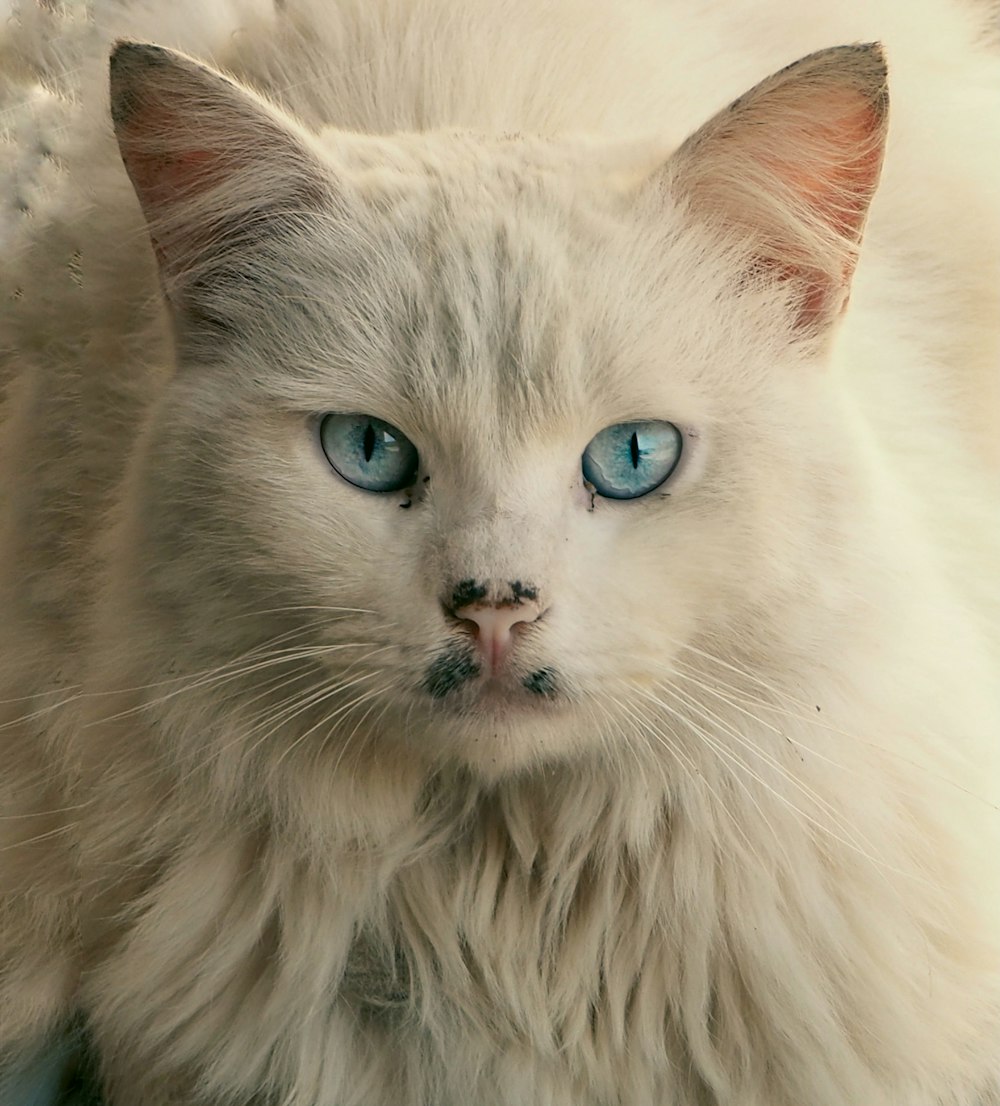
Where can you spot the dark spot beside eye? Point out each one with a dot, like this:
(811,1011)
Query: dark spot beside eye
(541,682)
(449,671)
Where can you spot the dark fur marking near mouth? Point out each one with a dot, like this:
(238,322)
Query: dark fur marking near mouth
(447,672)
(541,682)
(523,591)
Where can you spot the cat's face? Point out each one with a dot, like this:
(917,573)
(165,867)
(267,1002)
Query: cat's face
(452,328)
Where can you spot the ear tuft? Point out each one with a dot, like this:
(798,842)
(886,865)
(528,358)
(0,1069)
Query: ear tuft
(128,61)
(791,168)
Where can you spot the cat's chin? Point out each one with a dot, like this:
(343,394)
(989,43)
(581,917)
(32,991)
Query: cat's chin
(498,729)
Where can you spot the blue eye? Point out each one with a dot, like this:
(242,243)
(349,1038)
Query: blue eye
(632,458)
(368,452)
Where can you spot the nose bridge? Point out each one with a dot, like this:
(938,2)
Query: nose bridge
(502,563)
(495,527)
(495,543)
(493,568)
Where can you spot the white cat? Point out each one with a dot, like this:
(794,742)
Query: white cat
(500,628)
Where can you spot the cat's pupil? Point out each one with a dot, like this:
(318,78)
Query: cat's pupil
(369,441)
(634,450)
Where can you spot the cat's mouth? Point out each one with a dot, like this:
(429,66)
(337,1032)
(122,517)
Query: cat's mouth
(455,678)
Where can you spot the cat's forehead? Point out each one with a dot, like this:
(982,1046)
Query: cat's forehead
(483,281)
(501,164)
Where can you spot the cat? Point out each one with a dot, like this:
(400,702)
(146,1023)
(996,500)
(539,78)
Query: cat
(499,551)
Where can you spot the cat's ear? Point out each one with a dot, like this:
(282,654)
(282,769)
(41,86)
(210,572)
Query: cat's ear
(213,166)
(791,167)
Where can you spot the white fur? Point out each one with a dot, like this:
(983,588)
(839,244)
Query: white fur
(751,859)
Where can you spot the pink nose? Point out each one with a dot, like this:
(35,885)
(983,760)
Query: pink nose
(493,626)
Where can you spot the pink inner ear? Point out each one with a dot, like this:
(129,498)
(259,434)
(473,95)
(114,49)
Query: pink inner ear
(839,187)
(161,170)
(160,179)
(818,290)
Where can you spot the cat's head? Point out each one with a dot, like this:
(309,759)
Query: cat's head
(495,437)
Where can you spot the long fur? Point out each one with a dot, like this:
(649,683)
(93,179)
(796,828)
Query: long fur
(748,856)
